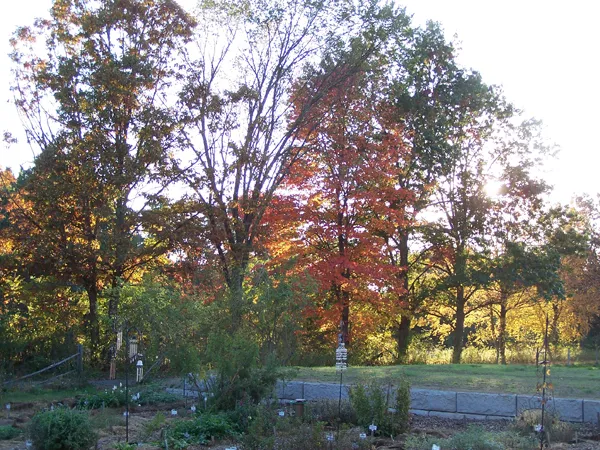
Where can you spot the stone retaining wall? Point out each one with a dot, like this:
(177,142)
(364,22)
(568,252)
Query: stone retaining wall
(457,405)
(450,404)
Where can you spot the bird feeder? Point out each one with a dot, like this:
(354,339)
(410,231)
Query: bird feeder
(140,371)
(133,348)
(341,357)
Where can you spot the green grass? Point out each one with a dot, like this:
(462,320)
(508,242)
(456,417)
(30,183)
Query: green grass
(43,395)
(568,381)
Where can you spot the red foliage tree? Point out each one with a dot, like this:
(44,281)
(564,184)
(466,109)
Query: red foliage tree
(336,201)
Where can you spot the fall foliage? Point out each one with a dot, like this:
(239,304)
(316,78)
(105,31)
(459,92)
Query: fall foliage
(291,172)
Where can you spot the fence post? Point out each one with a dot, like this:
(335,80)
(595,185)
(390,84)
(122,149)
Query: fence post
(79,359)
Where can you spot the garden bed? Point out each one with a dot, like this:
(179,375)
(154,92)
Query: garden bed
(148,422)
(110,426)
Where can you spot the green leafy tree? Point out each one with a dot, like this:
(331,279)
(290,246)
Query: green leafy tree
(96,108)
(436,100)
(461,203)
(168,319)
(520,255)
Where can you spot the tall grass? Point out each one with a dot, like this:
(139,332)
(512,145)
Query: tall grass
(420,353)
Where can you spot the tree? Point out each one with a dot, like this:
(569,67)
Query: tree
(581,275)
(461,201)
(237,108)
(520,257)
(96,108)
(435,100)
(342,184)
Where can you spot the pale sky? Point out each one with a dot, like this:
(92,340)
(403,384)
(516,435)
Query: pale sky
(543,52)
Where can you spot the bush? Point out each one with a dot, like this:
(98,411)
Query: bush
(269,431)
(154,425)
(202,428)
(328,411)
(7,432)
(259,433)
(402,406)
(371,404)
(243,415)
(105,399)
(556,430)
(474,438)
(239,377)
(350,439)
(61,429)
(115,397)
(301,437)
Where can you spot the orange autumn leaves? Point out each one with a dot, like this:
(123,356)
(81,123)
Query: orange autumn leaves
(339,200)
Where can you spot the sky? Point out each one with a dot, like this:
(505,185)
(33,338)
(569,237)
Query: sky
(544,53)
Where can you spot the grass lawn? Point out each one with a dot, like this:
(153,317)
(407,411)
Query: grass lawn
(568,381)
(42,395)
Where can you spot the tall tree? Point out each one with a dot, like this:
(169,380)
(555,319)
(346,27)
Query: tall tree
(237,107)
(461,200)
(343,184)
(435,100)
(96,108)
(520,257)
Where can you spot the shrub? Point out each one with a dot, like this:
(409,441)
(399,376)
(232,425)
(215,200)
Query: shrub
(350,440)
(61,429)
(201,428)
(328,411)
(239,377)
(474,438)
(301,437)
(7,432)
(106,419)
(154,425)
(259,433)
(105,399)
(402,406)
(372,406)
(115,397)
(243,415)
(125,446)
(556,430)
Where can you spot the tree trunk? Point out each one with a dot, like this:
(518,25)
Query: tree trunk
(502,327)
(554,334)
(345,318)
(121,239)
(459,328)
(343,294)
(403,337)
(93,324)
(402,331)
(493,331)
(236,297)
